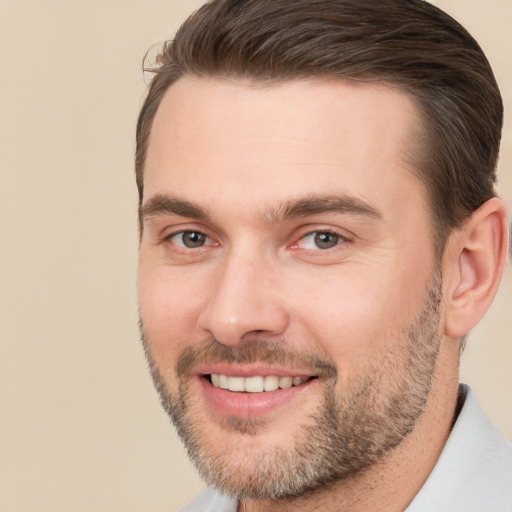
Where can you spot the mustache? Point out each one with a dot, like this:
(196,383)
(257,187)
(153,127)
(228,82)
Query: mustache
(254,351)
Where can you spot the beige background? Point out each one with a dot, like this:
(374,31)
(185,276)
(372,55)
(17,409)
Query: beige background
(80,425)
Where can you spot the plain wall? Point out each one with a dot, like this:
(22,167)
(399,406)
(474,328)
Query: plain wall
(81,429)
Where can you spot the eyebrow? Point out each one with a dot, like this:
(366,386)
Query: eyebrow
(161,205)
(314,205)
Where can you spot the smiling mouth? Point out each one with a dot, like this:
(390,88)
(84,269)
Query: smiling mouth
(255,384)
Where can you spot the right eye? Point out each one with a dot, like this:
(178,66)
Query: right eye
(321,240)
(189,239)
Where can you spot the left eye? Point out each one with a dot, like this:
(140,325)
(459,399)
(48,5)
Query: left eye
(320,240)
(189,239)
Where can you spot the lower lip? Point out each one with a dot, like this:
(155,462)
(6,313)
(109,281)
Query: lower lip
(250,405)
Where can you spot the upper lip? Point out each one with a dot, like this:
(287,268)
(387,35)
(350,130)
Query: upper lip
(250,370)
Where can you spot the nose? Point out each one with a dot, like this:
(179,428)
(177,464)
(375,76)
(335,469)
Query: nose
(245,301)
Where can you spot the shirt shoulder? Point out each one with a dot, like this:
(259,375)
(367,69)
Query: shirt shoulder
(211,501)
(474,471)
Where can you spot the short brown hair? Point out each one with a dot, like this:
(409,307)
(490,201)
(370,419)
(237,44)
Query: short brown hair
(409,43)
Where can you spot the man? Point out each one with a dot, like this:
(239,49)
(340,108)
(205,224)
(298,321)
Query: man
(319,233)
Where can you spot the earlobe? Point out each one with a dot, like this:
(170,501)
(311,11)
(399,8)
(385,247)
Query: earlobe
(476,256)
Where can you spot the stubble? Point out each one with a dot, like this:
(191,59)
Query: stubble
(351,429)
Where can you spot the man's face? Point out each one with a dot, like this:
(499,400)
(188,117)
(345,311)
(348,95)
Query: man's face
(287,255)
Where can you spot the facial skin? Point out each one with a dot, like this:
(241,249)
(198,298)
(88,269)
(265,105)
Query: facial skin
(285,235)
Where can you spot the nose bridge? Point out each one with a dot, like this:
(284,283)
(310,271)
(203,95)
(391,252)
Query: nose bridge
(243,299)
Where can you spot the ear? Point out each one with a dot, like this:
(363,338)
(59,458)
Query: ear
(474,260)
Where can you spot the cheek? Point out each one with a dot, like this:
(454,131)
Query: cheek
(169,308)
(354,318)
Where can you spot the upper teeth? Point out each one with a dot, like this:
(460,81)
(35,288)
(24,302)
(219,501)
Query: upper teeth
(255,384)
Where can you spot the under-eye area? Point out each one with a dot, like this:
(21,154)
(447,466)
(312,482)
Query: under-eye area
(255,384)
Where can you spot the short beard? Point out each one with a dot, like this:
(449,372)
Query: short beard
(351,430)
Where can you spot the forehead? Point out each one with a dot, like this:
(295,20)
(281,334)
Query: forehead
(238,142)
